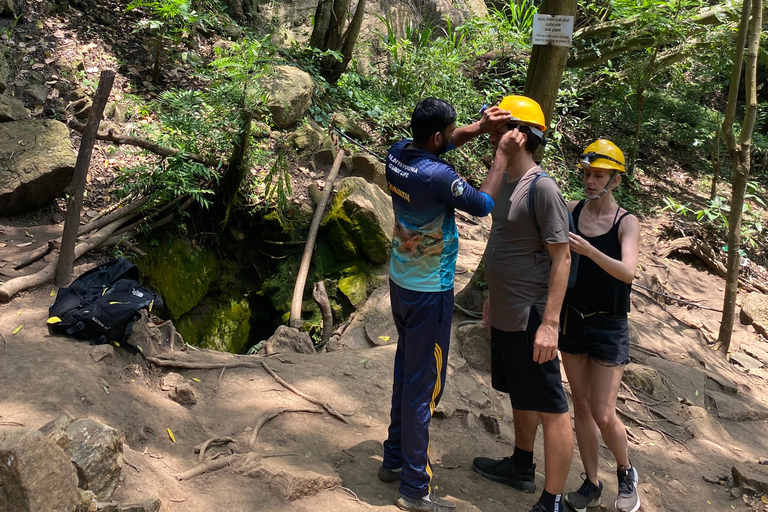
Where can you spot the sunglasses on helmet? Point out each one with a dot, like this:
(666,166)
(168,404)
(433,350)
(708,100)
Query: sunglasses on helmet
(587,159)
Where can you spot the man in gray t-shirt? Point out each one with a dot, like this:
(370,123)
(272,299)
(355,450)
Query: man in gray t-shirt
(527,262)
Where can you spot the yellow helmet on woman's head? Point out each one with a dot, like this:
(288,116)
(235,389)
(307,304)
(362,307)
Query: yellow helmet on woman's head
(524,110)
(603,154)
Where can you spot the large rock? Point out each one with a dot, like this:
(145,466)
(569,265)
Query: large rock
(361,222)
(288,339)
(475,345)
(368,166)
(373,324)
(754,311)
(35,474)
(733,409)
(290,93)
(5,73)
(36,164)
(645,379)
(220,323)
(12,109)
(751,475)
(95,449)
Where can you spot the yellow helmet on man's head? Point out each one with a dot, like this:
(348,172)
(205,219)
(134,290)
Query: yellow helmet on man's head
(603,154)
(524,110)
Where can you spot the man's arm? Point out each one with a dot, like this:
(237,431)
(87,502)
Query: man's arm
(491,118)
(545,343)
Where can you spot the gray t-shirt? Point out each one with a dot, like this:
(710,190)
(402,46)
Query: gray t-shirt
(517,262)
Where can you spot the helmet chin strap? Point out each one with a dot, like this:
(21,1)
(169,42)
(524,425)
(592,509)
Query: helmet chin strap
(605,189)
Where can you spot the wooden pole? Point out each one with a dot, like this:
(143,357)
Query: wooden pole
(306,259)
(75,200)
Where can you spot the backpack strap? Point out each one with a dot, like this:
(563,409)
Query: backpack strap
(531,208)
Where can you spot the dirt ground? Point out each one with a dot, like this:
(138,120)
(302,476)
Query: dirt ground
(684,463)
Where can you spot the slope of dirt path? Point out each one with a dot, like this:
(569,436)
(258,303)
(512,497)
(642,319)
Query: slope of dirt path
(43,377)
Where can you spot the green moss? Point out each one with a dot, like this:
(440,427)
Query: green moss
(181,272)
(219,324)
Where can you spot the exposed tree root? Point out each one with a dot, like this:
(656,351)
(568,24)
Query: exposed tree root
(266,418)
(207,467)
(214,440)
(314,400)
(193,365)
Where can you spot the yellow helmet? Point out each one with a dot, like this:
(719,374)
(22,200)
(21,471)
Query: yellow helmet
(603,154)
(525,110)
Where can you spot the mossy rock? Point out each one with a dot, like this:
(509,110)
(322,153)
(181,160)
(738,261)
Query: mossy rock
(220,324)
(360,223)
(180,272)
(354,284)
(292,224)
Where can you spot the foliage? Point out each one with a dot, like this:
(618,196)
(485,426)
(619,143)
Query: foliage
(205,122)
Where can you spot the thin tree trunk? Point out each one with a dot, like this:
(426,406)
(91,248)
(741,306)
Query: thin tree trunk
(233,178)
(75,201)
(336,68)
(714,153)
(750,26)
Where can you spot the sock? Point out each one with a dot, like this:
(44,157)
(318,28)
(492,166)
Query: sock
(522,459)
(550,501)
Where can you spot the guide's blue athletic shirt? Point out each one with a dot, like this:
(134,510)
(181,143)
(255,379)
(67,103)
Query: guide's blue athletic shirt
(425,191)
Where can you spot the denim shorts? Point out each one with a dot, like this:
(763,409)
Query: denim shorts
(602,336)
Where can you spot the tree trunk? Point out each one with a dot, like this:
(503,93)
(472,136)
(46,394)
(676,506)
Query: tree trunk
(545,69)
(336,68)
(75,200)
(750,26)
(233,178)
(714,154)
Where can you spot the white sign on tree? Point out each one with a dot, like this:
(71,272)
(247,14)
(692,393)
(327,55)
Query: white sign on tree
(553,30)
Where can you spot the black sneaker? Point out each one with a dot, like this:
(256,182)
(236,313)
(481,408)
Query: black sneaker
(389,475)
(628,500)
(538,507)
(431,503)
(587,496)
(504,471)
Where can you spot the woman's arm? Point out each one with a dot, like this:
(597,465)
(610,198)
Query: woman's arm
(629,237)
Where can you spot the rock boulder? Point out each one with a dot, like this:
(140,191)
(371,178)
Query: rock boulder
(290,93)
(288,339)
(37,162)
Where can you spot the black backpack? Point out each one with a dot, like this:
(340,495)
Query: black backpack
(101,305)
(571,227)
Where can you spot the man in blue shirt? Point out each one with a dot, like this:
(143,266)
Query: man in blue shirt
(425,191)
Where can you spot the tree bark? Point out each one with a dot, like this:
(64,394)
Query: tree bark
(77,190)
(321,298)
(233,178)
(749,27)
(348,45)
(545,69)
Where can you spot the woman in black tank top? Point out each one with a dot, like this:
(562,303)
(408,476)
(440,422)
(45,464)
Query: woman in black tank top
(594,339)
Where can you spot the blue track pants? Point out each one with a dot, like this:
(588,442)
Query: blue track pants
(423,321)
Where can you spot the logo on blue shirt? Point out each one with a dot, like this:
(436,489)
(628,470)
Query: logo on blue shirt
(457,187)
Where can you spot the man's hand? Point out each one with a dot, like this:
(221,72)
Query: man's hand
(545,343)
(487,312)
(493,117)
(510,143)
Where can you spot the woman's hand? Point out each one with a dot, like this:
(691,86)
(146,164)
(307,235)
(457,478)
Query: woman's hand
(579,245)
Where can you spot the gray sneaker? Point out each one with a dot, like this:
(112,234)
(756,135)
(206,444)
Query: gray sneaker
(628,500)
(587,496)
(505,471)
(431,503)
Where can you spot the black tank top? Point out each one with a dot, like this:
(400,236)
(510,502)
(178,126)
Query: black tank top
(595,289)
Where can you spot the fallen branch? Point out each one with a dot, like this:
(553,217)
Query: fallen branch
(120,213)
(110,136)
(266,418)
(207,467)
(306,258)
(216,389)
(35,255)
(190,365)
(14,286)
(308,398)
(214,440)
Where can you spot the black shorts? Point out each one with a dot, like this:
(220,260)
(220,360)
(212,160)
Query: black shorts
(531,386)
(602,336)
